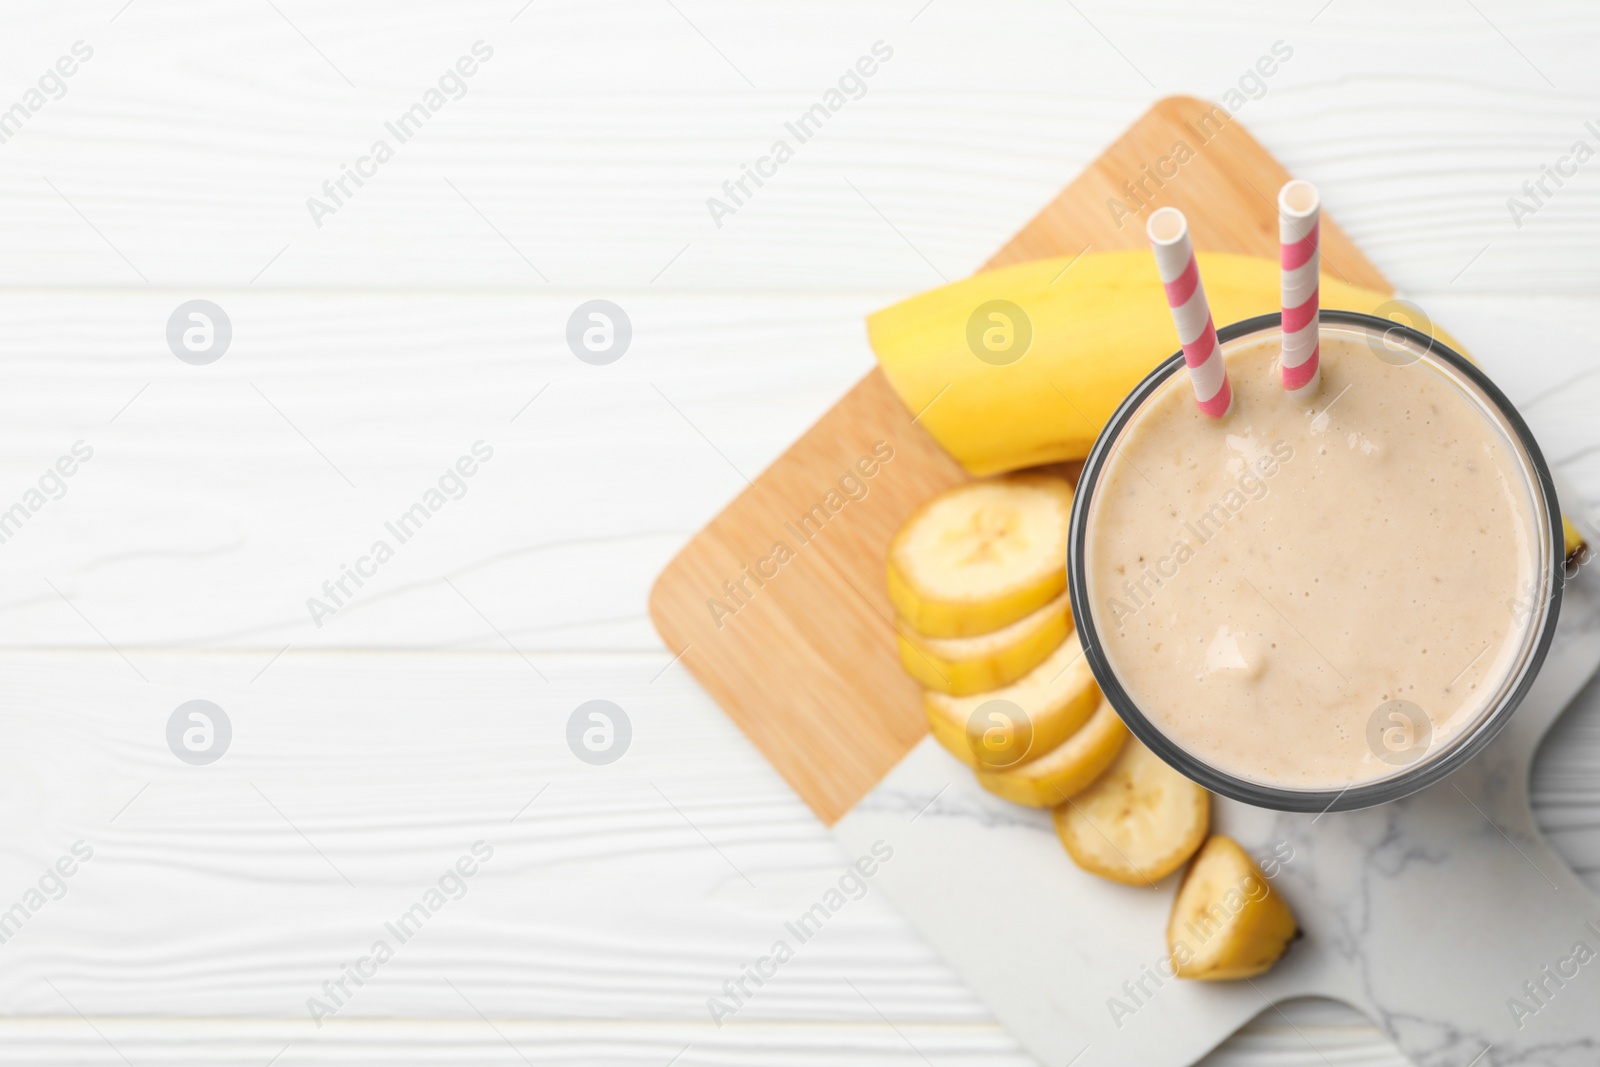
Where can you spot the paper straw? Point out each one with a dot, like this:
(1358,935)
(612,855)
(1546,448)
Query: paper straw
(1299,234)
(1168,231)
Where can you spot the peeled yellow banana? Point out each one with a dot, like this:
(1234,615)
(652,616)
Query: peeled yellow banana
(1065,771)
(1022,366)
(1226,921)
(964,665)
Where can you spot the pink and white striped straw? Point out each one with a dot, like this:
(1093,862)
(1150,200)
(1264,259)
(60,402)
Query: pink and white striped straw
(1299,237)
(1168,231)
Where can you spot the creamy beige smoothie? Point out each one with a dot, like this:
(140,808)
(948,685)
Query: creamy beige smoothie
(1261,585)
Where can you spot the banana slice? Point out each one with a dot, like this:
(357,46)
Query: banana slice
(1020,723)
(1067,770)
(1138,822)
(979,557)
(1226,921)
(951,735)
(961,666)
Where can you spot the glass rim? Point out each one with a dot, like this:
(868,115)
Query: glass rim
(1429,769)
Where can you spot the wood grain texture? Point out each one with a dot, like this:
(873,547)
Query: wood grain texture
(808,666)
(204,499)
(194,137)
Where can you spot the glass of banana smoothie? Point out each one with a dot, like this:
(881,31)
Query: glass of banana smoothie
(1326,605)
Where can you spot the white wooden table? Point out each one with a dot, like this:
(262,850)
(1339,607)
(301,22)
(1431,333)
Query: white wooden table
(427,313)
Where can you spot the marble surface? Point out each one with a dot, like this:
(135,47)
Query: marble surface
(1445,917)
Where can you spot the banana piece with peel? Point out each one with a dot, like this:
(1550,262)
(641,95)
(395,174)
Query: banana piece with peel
(1078,336)
(1227,921)
(1573,544)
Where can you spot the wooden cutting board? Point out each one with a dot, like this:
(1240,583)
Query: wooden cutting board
(798,645)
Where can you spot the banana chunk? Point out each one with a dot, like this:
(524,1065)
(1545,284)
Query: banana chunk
(1020,723)
(1065,771)
(1138,822)
(961,666)
(981,556)
(1227,922)
(953,738)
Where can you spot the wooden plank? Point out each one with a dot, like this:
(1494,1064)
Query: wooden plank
(601,901)
(226,518)
(807,665)
(474,1042)
(194,137)
(205,500)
